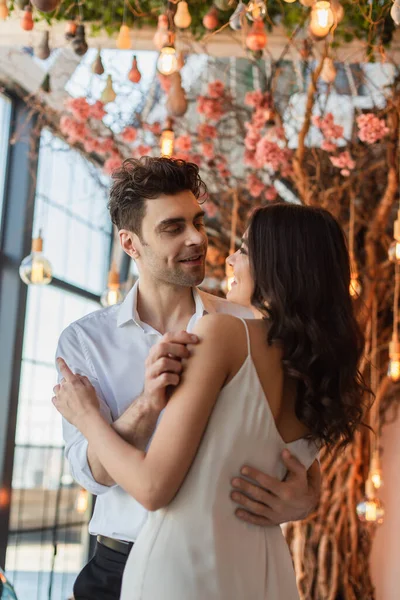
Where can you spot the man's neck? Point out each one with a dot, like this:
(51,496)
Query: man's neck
(164,307)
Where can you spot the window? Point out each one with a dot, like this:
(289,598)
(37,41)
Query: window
(48,537)
(5,117)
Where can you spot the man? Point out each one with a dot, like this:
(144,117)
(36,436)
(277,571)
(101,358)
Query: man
(131,357)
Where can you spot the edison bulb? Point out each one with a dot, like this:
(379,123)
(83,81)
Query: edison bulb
(394,369)
(370,510)
(167,143)
(355,288)
(394,252)
(256,10)
(322,19)
(82,501)
(111,296)
(35,269)
(167,62)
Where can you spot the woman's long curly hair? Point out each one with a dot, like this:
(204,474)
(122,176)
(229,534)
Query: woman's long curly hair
(300,263)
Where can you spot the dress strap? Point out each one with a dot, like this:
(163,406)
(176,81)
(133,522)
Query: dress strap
(247,335)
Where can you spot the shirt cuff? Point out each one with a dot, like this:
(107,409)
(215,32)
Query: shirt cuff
(80,470)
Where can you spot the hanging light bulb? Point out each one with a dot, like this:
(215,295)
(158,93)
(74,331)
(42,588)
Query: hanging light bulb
(3,10)
(70,30)
(210,19)
(27,19)
(289,1)
(113,294)
(322,19)
(46,85)
(43,49)
(355,288)
(394,358)
(79,44)
(395,12)
(328,72)
(167,140)
(134,74)
(307,2)
(82,501)
(124,38)
(167,62)
(182,18)
(97,66)
(375,473)
(235,20)
(338,11)
(161,35)
(256,9)
(108,94)
(370,509)
(394,252)
(35,269)
(256,39)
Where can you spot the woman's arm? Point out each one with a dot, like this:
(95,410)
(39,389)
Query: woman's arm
(154,478)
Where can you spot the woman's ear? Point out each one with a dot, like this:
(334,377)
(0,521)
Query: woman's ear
(129,243)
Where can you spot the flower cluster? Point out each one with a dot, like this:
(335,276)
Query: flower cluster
(183,143)
(344,162)
(212,105)
(371,128)
(254,185)
(129,135)
(82,110)
(330,130)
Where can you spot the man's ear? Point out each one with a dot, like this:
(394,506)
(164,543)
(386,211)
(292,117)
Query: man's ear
(130,243)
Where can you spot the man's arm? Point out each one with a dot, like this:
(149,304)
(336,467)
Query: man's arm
(136,425)
(265,500)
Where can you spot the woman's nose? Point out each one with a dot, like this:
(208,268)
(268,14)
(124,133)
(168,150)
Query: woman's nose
(231,259)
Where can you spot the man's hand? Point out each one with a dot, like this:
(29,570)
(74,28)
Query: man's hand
(164,367)
(265,500)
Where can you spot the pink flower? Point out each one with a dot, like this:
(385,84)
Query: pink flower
(112,164)
(79,108)
(250,159)
(210,209)
(97,111)
(207,150)
(106,145)
(212,108)
(271,155)
(91,144)
(154,128)
(344,162)
(129,135)
(328,146)
(182,156)
(74,131)
(207,131)
(254,98)
(216,89)
(183,142)
(254,185)
(225,173)
(142,150)
(371,128)
(251,140)
(270,193)
(327,125)
(195,158)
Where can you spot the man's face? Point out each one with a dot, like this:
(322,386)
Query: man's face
(173,241)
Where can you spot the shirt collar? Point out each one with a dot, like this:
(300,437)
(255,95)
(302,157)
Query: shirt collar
(128,309)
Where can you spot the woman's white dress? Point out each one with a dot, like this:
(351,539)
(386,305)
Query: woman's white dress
(196,548)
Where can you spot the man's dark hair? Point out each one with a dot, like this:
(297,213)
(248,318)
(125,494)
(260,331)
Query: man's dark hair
(146,178)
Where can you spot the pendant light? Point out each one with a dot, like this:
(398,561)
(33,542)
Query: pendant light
(134,74)
(167,140)
(113,294)
(182,18)
(108,94)
(97,66)
(167,62)
(35,269)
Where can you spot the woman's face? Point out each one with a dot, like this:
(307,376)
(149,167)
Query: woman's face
(243,284)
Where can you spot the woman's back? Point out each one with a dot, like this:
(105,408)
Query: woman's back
(196,548)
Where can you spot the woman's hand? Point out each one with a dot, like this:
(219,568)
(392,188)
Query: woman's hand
(75,397)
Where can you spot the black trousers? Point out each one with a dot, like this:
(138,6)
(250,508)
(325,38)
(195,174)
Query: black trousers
(101,578)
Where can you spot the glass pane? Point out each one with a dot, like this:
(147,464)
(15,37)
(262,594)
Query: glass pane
(5,116)
(71,211)
(48,530)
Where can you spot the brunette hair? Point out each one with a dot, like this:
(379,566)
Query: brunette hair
(146,178)
(300,263)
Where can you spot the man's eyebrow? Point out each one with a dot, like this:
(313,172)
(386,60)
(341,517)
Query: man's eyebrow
(177,220)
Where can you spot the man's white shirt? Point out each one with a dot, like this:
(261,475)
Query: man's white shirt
(110,347)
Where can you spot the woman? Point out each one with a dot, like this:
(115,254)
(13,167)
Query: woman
(250,389)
